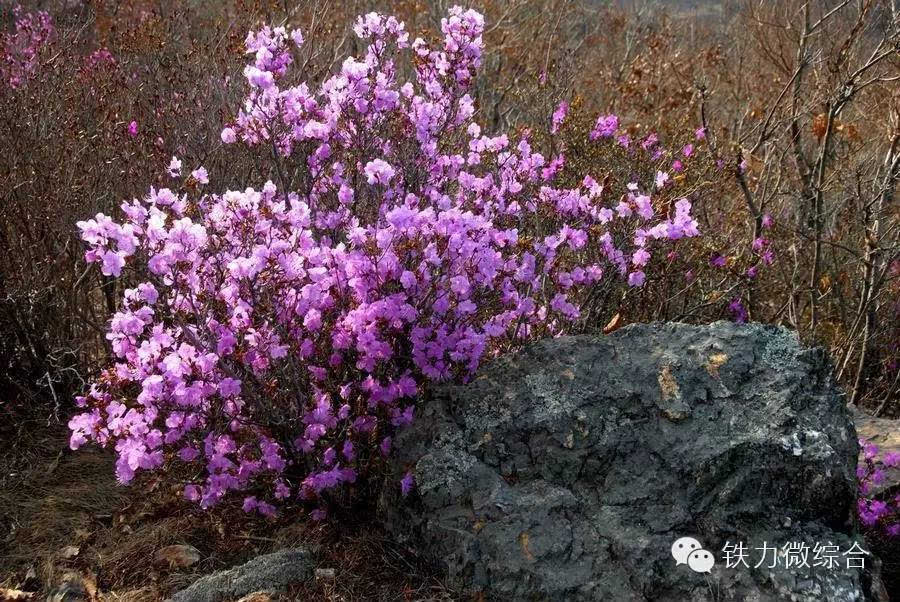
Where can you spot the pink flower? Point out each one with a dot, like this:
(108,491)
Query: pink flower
(738,310)
(379,172)
(200,175)
(717,261)
(640,257)
(228,136)
(661,179)
(112,264)
(406,484)
(700,133)
(688,150)
(559,116)
(133,129)
(605,127)
(891,459)
(174,167)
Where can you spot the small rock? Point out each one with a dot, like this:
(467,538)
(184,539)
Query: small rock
(69,552)
(31,582)
(271,573)
(178,556)
(885,433)
(73,588)
(324,574)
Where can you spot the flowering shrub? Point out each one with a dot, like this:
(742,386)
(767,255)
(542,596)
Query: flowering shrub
(875,512)
(20,48)
(277,337)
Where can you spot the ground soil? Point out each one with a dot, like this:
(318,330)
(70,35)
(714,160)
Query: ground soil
(62,514)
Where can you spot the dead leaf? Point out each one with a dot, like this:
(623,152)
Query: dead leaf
(614,324)
(89,581)
(818,125)
(69,552)
(257,597)
(14,594)
(177,556)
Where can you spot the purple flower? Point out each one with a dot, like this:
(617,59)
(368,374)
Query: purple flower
(200,175)
(870,450)
(174,168)
(133,129)
(605,127)
(661,179)
(406,484)
(636,278)
(112,264)
(717,261)
(379,172)
(738,311)
(559,115)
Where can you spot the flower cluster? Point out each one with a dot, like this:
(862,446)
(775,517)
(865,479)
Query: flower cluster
(20,48)
(277,337)
(873,511)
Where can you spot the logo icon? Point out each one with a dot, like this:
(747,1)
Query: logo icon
(689,551)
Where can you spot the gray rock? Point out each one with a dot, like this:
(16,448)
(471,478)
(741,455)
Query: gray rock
(271,573)
(566,471)
(885,433)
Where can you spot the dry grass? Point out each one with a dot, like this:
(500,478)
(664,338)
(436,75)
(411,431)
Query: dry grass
(53,501)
